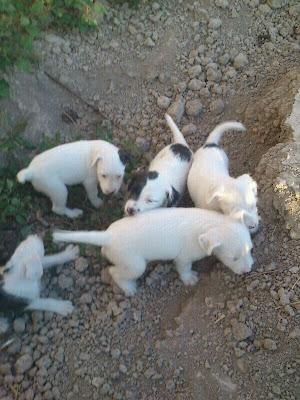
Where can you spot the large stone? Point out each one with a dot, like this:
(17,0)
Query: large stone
(193,107)
(176,109)
(23,363)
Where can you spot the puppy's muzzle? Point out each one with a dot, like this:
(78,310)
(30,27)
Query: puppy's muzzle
(130,211)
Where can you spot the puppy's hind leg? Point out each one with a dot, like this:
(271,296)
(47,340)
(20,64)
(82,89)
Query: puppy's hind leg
(58,193)
(70,253)
(185,272)
(63,307)
(125,275)
(90,185)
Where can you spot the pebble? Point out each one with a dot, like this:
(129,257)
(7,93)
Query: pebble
(214,23)
(149,42)
(194,107)
(143,144)
(295,334)
(196,84)
(163,102)
(217,106)
(65,282)
(24,363)
(222,3)
(195,71)
(240,330)
(240,61)
(86,298)
(4,325)
(176,109)
(269,344)
(277,3)
(81,264)
(189,129)
(97,381)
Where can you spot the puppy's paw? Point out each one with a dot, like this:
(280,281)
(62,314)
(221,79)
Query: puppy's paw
(74,213)
(97,202)
(129,288)
(72,252)
(190,279)
(65,308)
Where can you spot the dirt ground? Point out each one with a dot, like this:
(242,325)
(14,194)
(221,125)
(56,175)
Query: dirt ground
(229,337)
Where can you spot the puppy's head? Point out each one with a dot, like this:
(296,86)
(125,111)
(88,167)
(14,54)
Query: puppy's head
(239,201)
(231,244)
(147,190)
(110,170)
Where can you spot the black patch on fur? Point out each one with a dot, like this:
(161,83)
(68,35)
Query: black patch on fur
(136,185)
(174,198)
(152,174)
(182,151)
(211,145)
(124,156)
(9,302)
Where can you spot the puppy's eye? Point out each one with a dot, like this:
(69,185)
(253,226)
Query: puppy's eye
(119,176)
(236,259)
(149,201)
(103,176)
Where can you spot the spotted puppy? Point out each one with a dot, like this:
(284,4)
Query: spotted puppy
(164,182)
(184,235)
(86,162)
(20,287)
(211,187)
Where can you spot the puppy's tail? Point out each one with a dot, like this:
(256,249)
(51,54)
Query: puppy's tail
(215,136)
(177,135)
(98,238)
(24,175)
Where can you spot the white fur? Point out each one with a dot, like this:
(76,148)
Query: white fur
(24,270)
(180,234)
(85,162)
(211,187)
(172,173)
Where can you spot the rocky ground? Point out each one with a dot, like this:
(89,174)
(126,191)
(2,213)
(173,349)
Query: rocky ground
(229,337)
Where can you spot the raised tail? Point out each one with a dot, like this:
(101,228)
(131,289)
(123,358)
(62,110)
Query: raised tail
(24,175)
(98,238)
(216,134)
(177,135)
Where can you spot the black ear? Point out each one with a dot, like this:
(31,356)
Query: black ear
(172,197)
(124,156)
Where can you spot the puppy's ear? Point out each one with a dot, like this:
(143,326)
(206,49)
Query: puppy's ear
(95,159)
(217,194)
(124,156)
(241,216)
(209,241)
(172,197)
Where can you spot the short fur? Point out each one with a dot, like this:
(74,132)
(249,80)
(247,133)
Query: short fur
(164,182)
(211,187)
(180,234)
(86,162)
(20,288)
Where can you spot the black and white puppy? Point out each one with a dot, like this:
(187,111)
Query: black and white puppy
(164,182)
(20,287)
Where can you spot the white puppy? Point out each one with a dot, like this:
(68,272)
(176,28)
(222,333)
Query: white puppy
(164,182)
(87,162)
(20,288)
(180,234)
(211,187)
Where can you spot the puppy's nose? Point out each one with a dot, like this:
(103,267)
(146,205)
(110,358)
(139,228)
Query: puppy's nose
(110,193)
(130,211)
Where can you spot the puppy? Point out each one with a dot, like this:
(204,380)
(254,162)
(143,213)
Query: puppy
(20,288)
(165,181)
(180,234)
(211,187)
(87,162)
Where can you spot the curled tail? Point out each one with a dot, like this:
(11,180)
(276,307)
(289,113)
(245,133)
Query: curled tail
(177,135)
(24,175)
(215,136)
(98,238)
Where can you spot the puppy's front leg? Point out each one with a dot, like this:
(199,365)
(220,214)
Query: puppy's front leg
(63,307)
(70,253)
(91,188)
(185,272)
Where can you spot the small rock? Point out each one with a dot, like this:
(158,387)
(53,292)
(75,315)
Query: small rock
(277,3)
(19,325)
(195,71)
(240,61)
(176,109)
(224,59)
(217,106)
(143,144)
(65,282)
(97,381)
(194,107)
(213,75)
(189,129)
(86,298)
(3,325)
(115,353)
(149,42)
(295,334)
(123,368)
(242,365)
(222,3)
(269,344)
(81,264)
(214,23)
(240,330)
(163,102)
(195,84)
(23,363)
